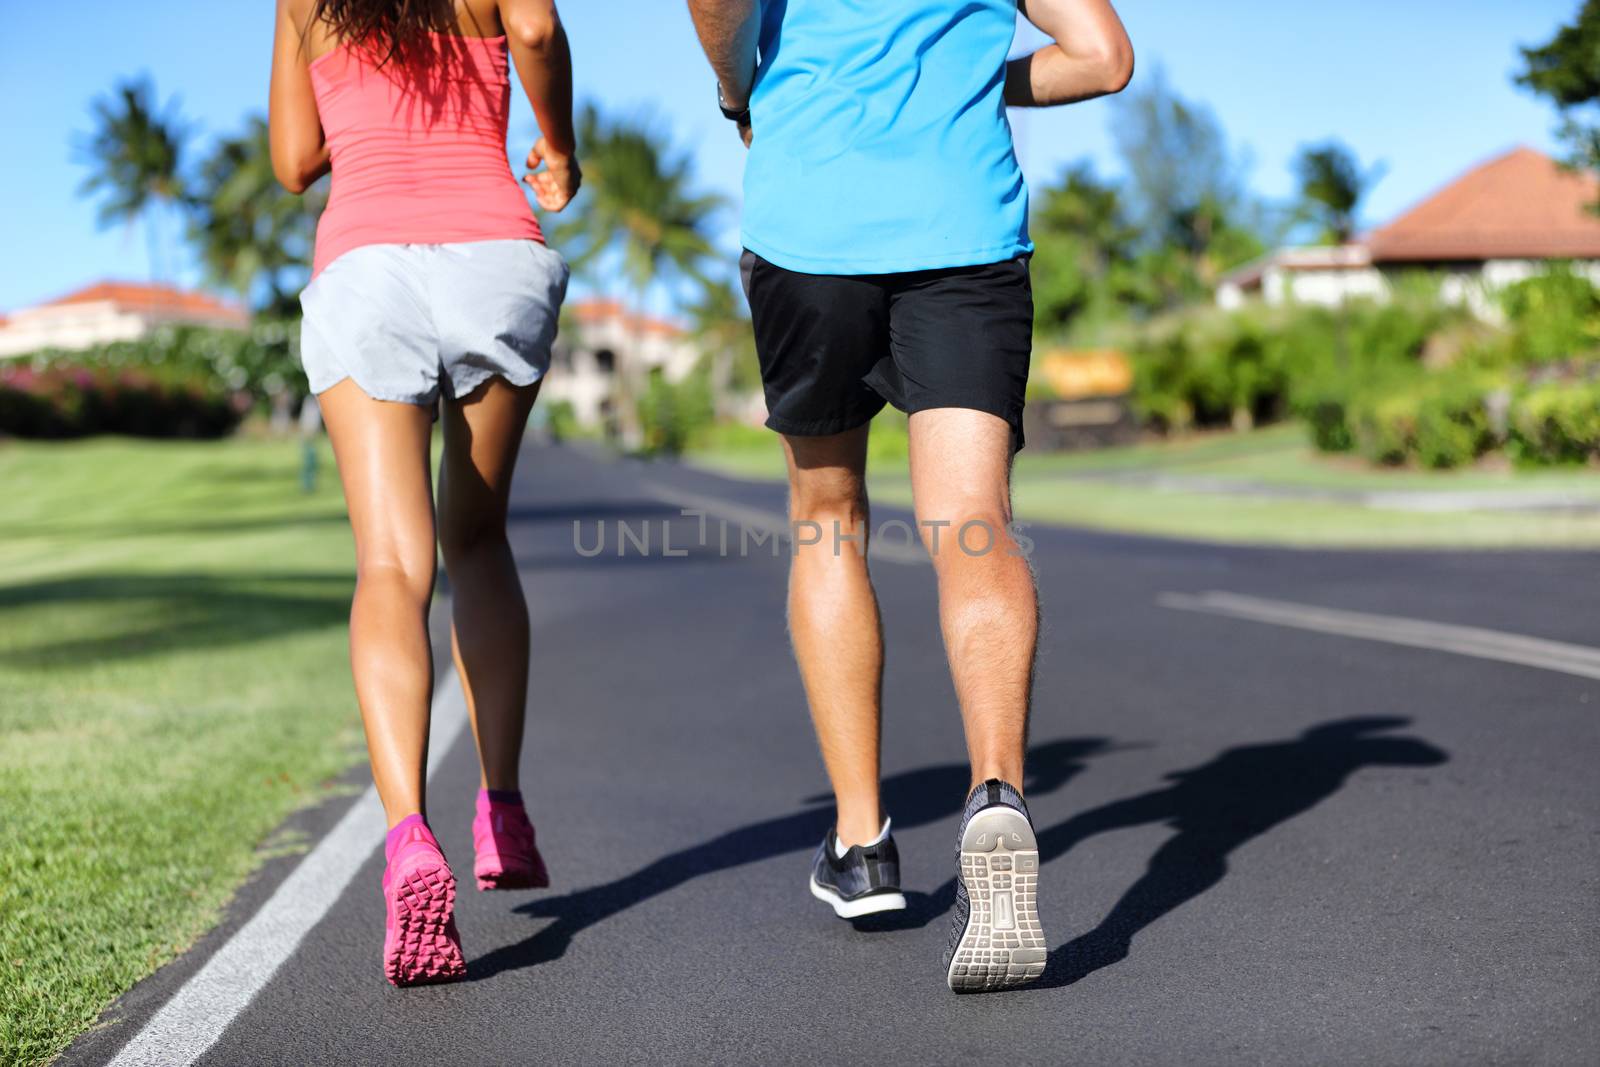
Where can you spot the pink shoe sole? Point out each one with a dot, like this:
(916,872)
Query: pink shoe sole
(421,946)
(493,875)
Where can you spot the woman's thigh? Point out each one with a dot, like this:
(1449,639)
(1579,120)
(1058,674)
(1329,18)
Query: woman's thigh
(382,450)
(482,435)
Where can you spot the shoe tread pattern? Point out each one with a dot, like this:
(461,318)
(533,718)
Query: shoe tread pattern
(427,948)
(1002,944)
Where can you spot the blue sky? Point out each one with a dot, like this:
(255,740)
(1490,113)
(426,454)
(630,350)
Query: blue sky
(1421,85)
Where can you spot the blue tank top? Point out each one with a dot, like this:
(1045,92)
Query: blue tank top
(881,139)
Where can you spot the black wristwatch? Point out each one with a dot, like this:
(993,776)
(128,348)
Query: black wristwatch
(739,115)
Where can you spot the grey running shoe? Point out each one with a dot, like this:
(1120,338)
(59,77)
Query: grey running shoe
(864,881)
(996,941)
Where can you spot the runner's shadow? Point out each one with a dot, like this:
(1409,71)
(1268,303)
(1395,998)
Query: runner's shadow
(914,798)
(1215,808)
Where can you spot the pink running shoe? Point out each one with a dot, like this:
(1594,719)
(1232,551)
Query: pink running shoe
(507,857)
(420,943)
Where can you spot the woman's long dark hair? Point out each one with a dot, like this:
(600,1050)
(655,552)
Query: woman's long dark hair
(389,29)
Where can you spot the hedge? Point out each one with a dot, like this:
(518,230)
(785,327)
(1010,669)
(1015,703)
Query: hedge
(1556,423)
(66,401)
(177,382)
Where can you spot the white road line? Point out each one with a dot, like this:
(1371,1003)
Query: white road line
(190,1023)
(903,547)
(1579,660)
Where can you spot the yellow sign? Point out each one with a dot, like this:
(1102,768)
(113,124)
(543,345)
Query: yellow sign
(1085,373)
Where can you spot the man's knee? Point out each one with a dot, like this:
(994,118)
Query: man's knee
(966,531)
(828,498)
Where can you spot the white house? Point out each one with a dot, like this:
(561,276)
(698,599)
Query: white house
(601,338)
(113,311)
(1497,224)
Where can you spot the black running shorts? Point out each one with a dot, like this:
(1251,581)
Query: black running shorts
(835,348)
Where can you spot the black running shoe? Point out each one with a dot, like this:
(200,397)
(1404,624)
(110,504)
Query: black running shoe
(864,881)
(996,941)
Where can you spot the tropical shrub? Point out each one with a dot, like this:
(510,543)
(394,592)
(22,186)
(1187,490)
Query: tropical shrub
(1556,423)
(1554,316)
(1259,365)
(1162,371)
(74,401)
(1386,428)
(672,413)
(560,419)
(1438,420)
(262,363)
(1453,426)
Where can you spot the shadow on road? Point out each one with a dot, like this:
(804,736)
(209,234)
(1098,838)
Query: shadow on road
(1215,808)
(914,798)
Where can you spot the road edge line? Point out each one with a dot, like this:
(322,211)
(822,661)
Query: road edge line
(192,1021)
(1473,641)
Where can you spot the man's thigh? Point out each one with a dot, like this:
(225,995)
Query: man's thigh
(817,336)
(961,338)
(961,474)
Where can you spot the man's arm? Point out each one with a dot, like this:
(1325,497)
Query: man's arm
(728,32)
(1091,56)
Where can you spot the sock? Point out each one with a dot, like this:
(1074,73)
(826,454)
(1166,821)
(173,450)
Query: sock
(993,791)
(402,832)
(502,796)
(839,848)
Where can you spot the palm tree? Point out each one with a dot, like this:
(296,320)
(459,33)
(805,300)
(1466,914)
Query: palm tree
(721,324)
(638,205)
(253,236)
(1332,185)
(1085,241)
(136,154)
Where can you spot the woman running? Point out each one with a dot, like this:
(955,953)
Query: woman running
(430,279)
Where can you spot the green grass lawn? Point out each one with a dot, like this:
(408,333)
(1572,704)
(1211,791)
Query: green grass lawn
(173,682)
(1073,488)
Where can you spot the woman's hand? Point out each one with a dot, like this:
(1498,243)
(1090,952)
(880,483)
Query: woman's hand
(555,185)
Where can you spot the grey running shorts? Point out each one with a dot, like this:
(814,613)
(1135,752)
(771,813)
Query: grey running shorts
(409,321)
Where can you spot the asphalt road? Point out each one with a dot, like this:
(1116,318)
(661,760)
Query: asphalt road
(1262,844)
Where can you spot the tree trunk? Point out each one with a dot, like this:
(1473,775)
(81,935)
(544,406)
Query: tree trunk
(628,377)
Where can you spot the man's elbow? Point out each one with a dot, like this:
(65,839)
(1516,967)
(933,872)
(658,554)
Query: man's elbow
(1115,63)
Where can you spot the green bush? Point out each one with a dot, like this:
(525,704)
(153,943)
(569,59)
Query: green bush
(560,419)
(1161,375)
(1439,420)
(1556,423)
(1258,365)
(672,413)
(262,363)
(1325,406)
(1453,426)
(62,401)
(1554,316)
(1386,429)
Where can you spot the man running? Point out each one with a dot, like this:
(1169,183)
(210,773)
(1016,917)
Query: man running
(886,261)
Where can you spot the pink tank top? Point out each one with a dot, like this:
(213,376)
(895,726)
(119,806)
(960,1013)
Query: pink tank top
(419,157)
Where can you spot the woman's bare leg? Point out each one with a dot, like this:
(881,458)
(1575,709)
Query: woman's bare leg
(489,631)
(382,449)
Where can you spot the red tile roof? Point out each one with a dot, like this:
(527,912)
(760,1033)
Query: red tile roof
(1522,205)
(602,310)
(155,299)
